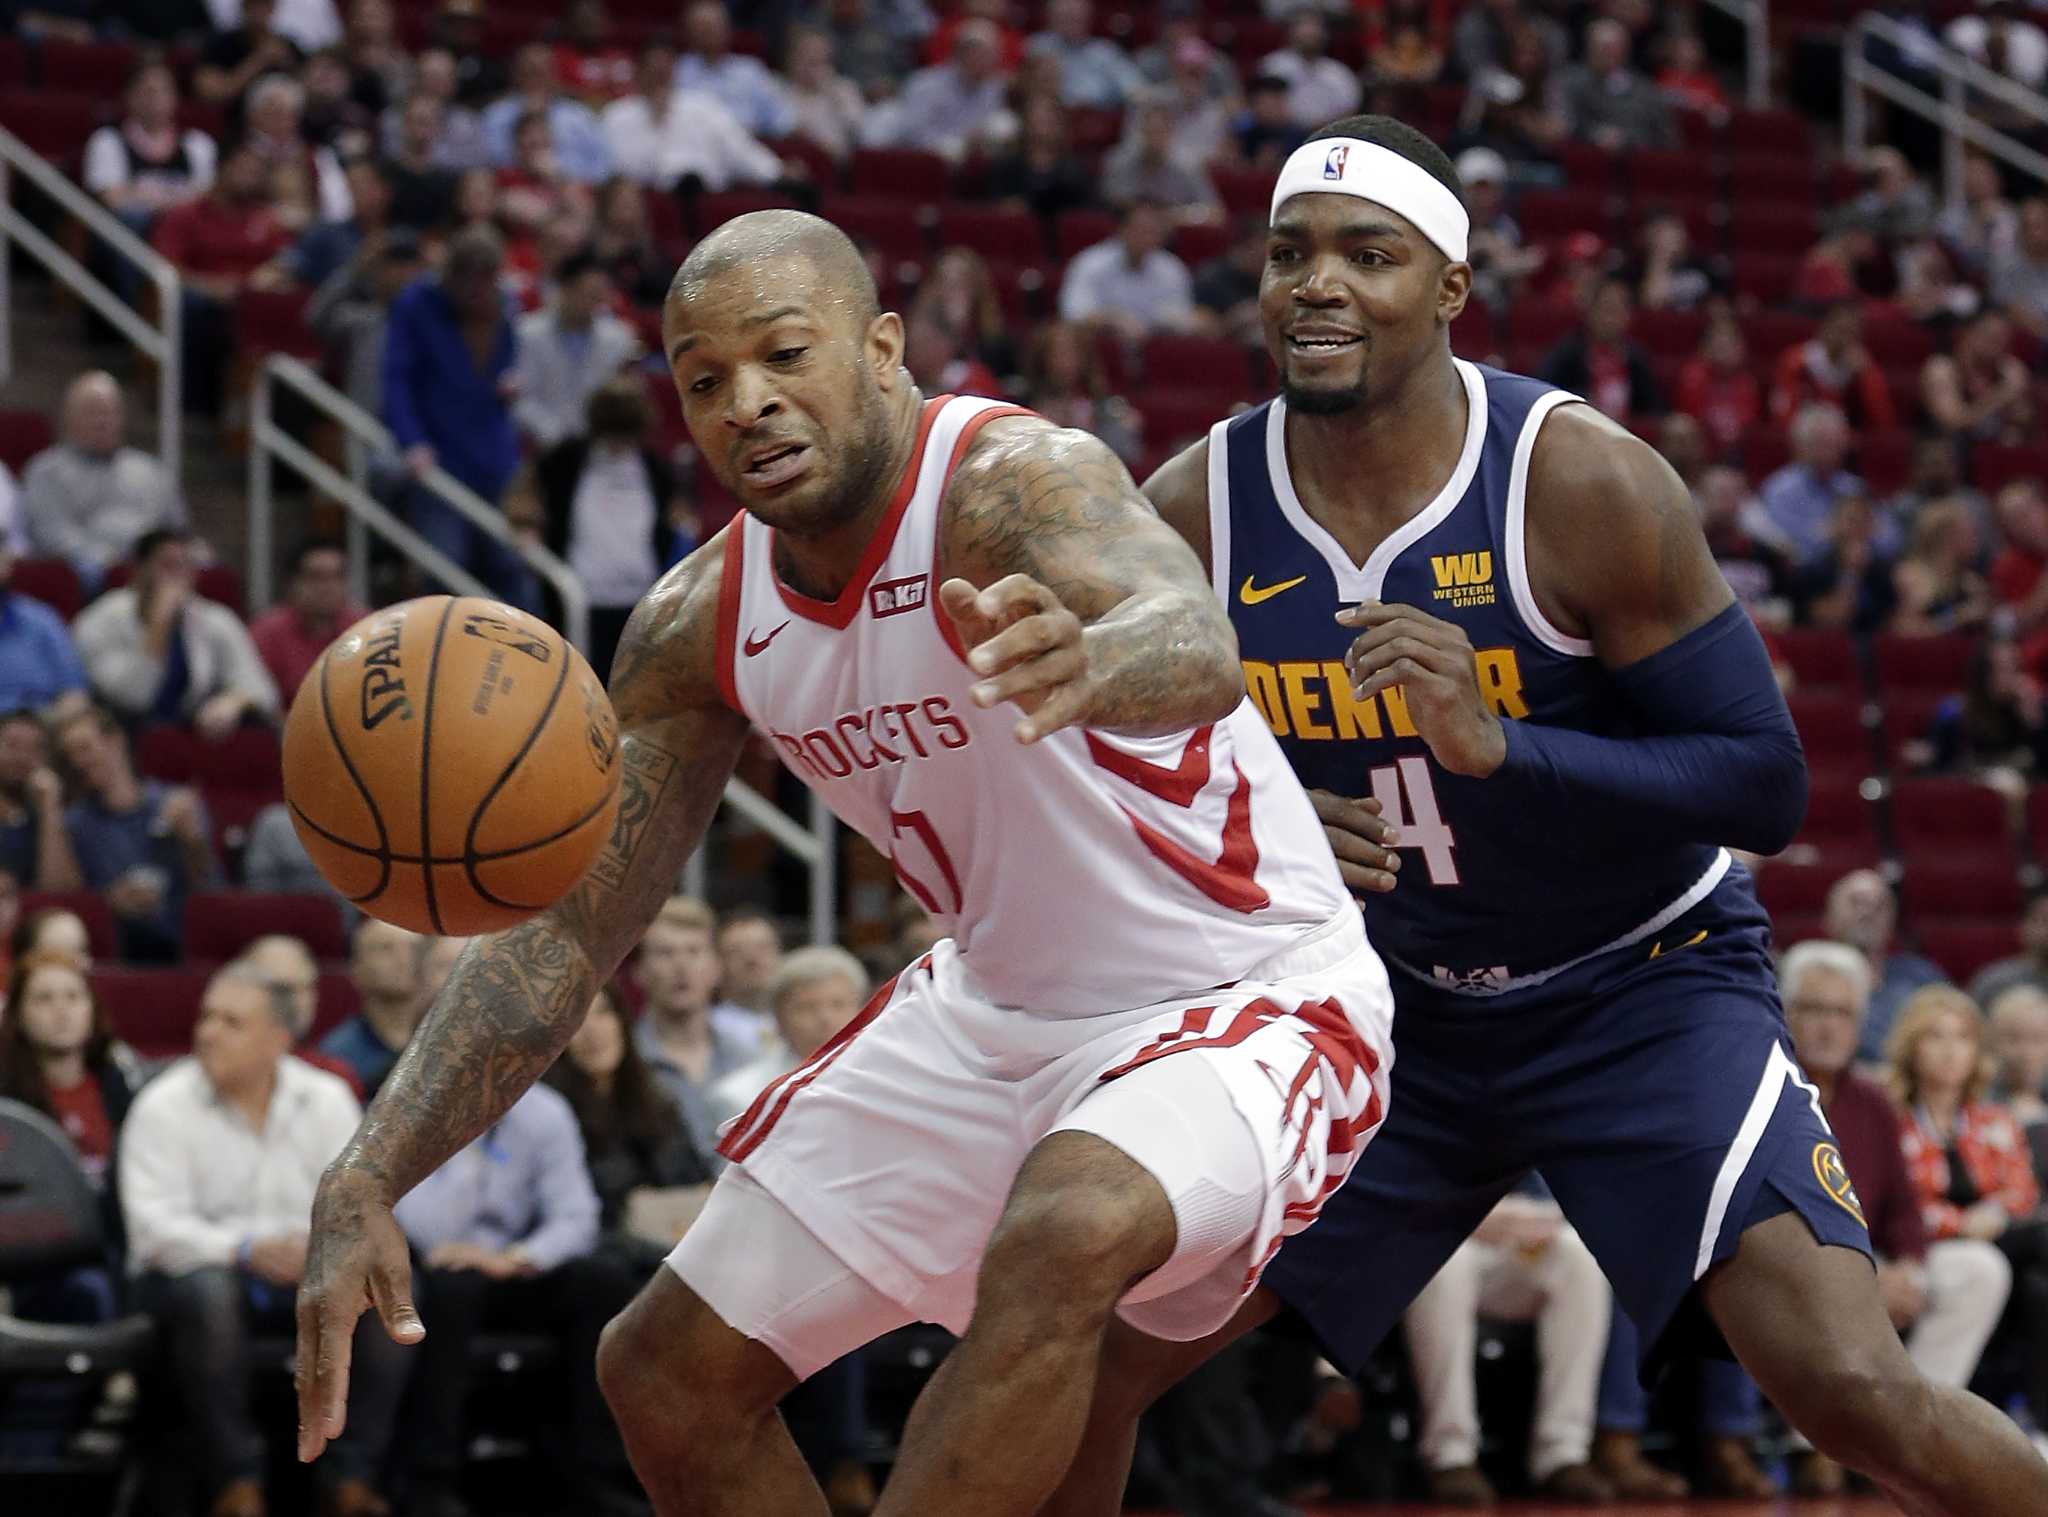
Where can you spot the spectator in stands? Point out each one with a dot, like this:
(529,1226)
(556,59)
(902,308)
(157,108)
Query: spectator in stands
(1895,205)
(236,56)
(52,930)
(507,1231)
(623,241)
(1319,88)
(826,105)
(380,70)
(960,295)
(1935,473)
(2018,281)
(871,56)
(274,860)
(1833,368)
(1980,392)
(568,350)
(327,247)
(1984,229)
(350,312)
(1131,283)
(1832,270)
(13,529)
(948,107)
(58,1055)
(689,1043)
(812,995)
(1683,442)
(536,202)
(1848,583)
(749,954)
(289,969)
(2028,967)
(38,665)
(218,1162)
(1606,101)
(942,364)
(1524,1262)
(457,31)
(577,141)
(422,185)
(1064,382)
(1500,261)
(649,1177)
(1162,60)
(1995,730)
(939,42)
(1205,119)
(449,352)
(1265,132)
(1687,81)
(1406,54)
(1931,289)
(1945,1298)
(614,511)
(661,136)
(1995,35)
(1717,387)
(1862,912)
(1602,363)
(143,845)
(1758,573)
(2017,573)
(157,650)
(1094,73)
(1936,584)
(1668,273)
(446,132)
(144,164)
(87,498)
(385,962)
(2019,1044)
(743,85)
(1969,1161)
(1799,498)
(1144,165)
(1226,288)
(590,64)
(35,848)
(333,118)
(217,242)
(291,636)
(1039,172)
(305,182)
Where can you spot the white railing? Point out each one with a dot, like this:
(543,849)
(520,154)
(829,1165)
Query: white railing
(1755,16)
(1962,78)
(159,342)
(813,846)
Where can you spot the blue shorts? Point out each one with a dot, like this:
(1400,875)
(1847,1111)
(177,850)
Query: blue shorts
(1653,1089)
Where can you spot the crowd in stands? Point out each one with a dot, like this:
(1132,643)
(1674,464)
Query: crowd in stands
(469,219)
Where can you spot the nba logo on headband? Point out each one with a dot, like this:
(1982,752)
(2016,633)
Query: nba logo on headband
(1333,166)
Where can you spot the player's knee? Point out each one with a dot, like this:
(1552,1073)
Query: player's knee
(1860,1410)
(1084,1239)
(668,1357)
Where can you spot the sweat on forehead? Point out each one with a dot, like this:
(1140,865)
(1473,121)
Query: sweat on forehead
(762,237)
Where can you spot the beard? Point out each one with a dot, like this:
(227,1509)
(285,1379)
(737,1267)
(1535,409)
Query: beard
(1323,401)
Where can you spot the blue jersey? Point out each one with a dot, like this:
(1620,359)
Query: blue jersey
(1490,899)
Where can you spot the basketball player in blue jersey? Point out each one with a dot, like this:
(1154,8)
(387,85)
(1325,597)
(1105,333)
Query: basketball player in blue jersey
(1483,622)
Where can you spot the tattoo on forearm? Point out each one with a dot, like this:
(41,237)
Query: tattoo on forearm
(647,771)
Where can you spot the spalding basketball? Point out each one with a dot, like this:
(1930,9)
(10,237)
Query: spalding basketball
(452,765)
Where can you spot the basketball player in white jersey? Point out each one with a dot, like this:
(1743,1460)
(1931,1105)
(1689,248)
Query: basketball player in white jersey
(1151,1046)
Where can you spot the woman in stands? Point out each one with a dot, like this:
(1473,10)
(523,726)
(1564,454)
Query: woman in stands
(53,930)
(58,1055)
(1995,728)
(1936,582)
(1064,382)
(1970,1165)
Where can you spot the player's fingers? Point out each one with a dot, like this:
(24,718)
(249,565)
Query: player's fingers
(1025,639)
(1402,671)
(1359,817)
(1015,595)
(391,1292)
(1358,879)
(1350,848)
(1373,613)
(1422,659)
(326,1341)
(1450,640)
(1065,706)
(962,603)
(1048,670)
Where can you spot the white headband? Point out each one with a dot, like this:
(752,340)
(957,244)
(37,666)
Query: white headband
(1346,166)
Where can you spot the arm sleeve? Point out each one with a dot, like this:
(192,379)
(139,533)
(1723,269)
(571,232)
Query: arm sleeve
(568,1201)
(1718,760)
(158,1205)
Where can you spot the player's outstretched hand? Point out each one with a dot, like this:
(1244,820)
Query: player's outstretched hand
(1027,648)
(1431,660)
(355,1259)
(1363,840)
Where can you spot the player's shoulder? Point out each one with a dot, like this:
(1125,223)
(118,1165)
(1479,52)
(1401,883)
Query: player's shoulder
(1590,476)
(1021,466)
(668,655)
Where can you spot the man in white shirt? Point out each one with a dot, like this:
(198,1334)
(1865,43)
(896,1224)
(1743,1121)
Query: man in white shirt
(1318,86)
(660,134)
(89,497)
(1094,73)
(947,107)
(741,84)
(813,993)
(1131,282)
(218,1162)
(567,350)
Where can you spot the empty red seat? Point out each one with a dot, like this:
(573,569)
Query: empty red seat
(23,434)
(899,174)
(1198,242)
(1962,948)
(1077,231)
(87,906)
(713,210)
(153,1010)
(1540,324)
(1759,132)
(1936,815)
(90,68)
(335,1001)
(1549,215)
(220,924)
(1669,334)
(1994,465)
(1885,459)
(1819,656)
(1210,363)
(1788,889)
(1244,192)
(1588,166)
(1980,886)
(52,123)
(246,759)
(13,62)
(895,227)
(1929,664)
(1770,177)
(992,231)
(51,581)
(168,753)
(1175,417)
(1832,726)
(1772,227)
(1765,277)
(274,321)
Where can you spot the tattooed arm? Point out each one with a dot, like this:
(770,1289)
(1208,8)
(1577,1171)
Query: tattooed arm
(1095,612)
(516,997)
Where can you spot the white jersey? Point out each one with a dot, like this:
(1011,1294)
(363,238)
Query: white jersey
(1083,874)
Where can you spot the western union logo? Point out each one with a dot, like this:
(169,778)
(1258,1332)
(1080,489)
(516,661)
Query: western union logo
(1463,579)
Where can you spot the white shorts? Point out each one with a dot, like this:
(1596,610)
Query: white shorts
(865,1184)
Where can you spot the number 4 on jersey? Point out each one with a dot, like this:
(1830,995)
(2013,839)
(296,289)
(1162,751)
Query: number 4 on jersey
(1416,817)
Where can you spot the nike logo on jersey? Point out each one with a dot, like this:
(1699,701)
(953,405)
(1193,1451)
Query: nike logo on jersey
(756,645)
(1657,948)
(1251,596)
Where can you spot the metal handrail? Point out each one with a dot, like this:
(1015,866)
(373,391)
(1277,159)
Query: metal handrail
(1961,75)
(162,342)
(1755,16)
(813,846)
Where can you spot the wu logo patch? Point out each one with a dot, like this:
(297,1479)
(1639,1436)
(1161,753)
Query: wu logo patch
(1833,1175)
(1333,166)
(1463,579)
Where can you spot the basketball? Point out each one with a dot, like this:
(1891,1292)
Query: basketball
(452,765)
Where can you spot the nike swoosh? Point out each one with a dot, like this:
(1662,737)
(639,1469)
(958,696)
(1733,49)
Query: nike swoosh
(1252,597)
(760,645)
(1657,948)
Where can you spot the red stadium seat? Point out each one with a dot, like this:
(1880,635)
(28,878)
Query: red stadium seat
(89,68)
(1211,363)
(1820,656)
(899,174)
(715,209)
(2037,819)
(1944,815)
(51,123)
(246,759)
(1548,215)
(1244,192)
(1759,132)
(1833,727)
(13,62)
(335,1002)
(1765,277)
(1197,242)
(1540,324)
(87,906)
(274,321)
(51,581)
(1885,459)
(1770,178)
(1772,227)
(1938,665)
(1994,465)
(1669,334)
(1182,416)
(992,231)
(894,227)
(1077,231)
(23,434)
(1962,948)
(168,753)
(219,924)
(152,1010)
(1977,886)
